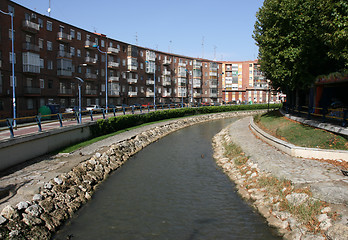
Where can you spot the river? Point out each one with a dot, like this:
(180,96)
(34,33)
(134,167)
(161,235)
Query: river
(172,189)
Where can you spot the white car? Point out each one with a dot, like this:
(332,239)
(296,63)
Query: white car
(94,108)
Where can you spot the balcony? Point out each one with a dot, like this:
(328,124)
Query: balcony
(166,72)
(91,91)
(90,60)
(197,65)
(197,95)
(30,26)
(150,82)
(89,44)
(166,83)
(166,62)
(149,94)
(65,91)
(181,81)
(32,90)
(112,64)
(181,94)
(91,76)
(30,47)
(196,84)
(64,37)
(63,54)
(132,68)
(64,73)
(166,94)
(182,64)
(213,95)
(132,94)
(114,93)
(213,74)
(132,80)
(113,79)
(28,68)
(112,50)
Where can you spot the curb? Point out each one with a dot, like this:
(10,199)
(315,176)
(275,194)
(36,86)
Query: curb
(300,152)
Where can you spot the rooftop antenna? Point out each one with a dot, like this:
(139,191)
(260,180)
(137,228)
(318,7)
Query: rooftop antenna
(136,38)
(214,53)
(203,47)
(49,8)
(170,43)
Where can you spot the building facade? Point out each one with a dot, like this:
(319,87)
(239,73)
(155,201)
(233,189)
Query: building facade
(50,54)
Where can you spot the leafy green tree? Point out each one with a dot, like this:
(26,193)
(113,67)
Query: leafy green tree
(298,41)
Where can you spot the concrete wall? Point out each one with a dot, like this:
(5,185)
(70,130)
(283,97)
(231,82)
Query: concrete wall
(21,149)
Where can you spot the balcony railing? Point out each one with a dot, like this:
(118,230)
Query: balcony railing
(213,95)
(214,74)
(91,75)
(112,64)
(112,50)
(196,95)
(197,64)
(91,91)
(166,83)
(64,54)
(113,92)
(32,90)
(132,80)
(196,84)
(113,79)
(64,72)
(30,47)
(89,44)
(150,82)
(31,68)
(166,72)
(181,94)
(90,60)
(132,68)
(31,26)
(149,94)
(132,94)
(67,91)
(182,81)
(167,62)
(166,94)
(213,85)
(64,37)
(182,64)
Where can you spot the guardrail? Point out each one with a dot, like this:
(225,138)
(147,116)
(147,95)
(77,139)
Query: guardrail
(339,115)
(39,120)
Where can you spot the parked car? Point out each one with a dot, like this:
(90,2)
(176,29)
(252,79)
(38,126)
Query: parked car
(71,109)
(94,108)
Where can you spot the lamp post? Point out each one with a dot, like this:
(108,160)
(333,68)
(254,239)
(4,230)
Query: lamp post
(80,110)
(269,91)
(13,75)
(106,76)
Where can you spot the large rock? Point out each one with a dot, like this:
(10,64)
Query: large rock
(338,232)
(297,199)
(9,212)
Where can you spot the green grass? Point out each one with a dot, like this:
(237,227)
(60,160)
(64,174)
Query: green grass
(299,134)
(96,139)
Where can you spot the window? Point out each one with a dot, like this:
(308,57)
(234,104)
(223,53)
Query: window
(49,46)
(78,52)
(103,58)
(40,21)
(10,54)
(72,33)
(96,41)
(102,42)
(123,62)
(27,38)
(49,64)
(42,63)
(50,84)
(11,80)
(141,66)
(72,51)
(30,104)
(42,83)
(78,36)
(49,26)
(11,9)
(141,53)
(40,43)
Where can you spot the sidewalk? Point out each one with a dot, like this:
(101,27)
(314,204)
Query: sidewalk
(325,180)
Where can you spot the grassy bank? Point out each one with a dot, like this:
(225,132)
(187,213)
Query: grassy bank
(299,134)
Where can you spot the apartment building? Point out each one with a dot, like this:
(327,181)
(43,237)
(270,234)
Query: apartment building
(243,82)
(50,54)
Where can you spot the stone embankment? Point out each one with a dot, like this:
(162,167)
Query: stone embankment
(250,181)
(63,195)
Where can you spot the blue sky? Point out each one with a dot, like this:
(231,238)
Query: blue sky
(178,26)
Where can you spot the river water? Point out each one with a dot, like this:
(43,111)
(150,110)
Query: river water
(172,189)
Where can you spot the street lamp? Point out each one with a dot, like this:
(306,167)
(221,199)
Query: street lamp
(13,75)
(269,91)
(80,110)
(106,76)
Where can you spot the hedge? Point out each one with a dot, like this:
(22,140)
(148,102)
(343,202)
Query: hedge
(113,124)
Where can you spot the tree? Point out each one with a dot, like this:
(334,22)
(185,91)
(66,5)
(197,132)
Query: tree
(297,40)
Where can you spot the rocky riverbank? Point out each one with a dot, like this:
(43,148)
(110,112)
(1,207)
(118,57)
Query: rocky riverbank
(58,199)
(289,208)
